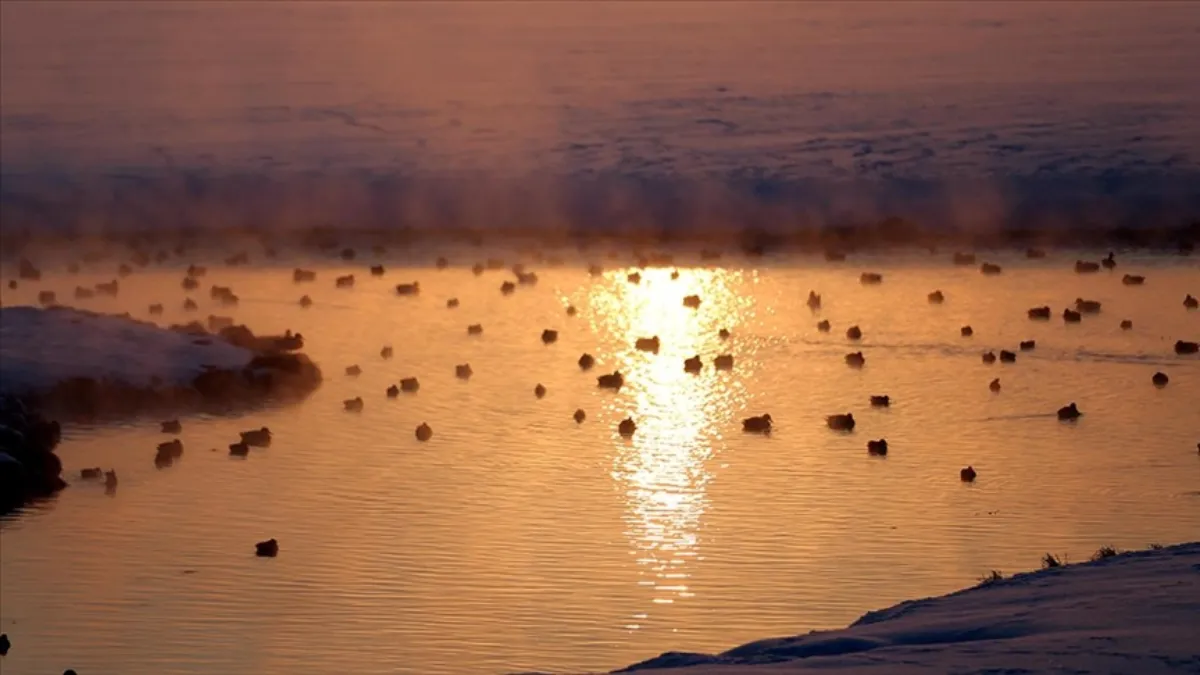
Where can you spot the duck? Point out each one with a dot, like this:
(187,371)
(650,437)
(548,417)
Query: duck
(386,352)
(1069,412)
(674,274)
(964,259)
(167,453)
(189,284)
(966,331)
(549,336)
(579,416)
(613,380)
(840,422)
(409,384)
(266,549)
(1027,345)
(586,361)
(595,270)
(409,289)
(1126,324)
(451,303)
(156,309)
(353,371)
(527,278)
(651,344)
(988,269)
(760,424)
(111,288)
(723,333)
(424,432)
(814,300)
(723,362)
(258,438)
(110,479)
(172,427)
(823,326)
(463,371)
(1191,302)
(1039,312)
(854,333)
(691,301)
(507,288)
(856,360)
(477,269)
(1160,379)
(1184,347)
(196,271)
(376,270)
(93,473)
(1086,306)
(1007,356)
(634,278)
(571,311)
(305,301)
(539,391)
(693,365)
(189,305)
(1133,280)
(967,475)
(627,427)
(475,329)
(1070,316)
(879,447)
(5,644)
(994,385)
(989,357)
(881,401)
(346,281)
(301,276)
(936,298)
(1109,262)
(393,391)
(870,278)
(239,450)
(353,404)
(1086,267)
(47,297)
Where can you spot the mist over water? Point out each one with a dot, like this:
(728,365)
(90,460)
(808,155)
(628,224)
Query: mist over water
(618,117)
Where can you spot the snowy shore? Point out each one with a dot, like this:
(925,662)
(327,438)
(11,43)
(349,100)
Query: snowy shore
(1132,613)
(74,362)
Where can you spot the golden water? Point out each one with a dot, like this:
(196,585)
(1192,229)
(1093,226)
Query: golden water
(517,540)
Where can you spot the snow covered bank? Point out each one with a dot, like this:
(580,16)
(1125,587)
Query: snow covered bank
(78,362)
(1132,613)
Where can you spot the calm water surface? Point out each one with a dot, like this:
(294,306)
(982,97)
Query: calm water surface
(517,540)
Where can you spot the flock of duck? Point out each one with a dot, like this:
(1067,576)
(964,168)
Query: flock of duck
(170,451)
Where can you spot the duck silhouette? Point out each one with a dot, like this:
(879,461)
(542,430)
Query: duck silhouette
(814,300)
(239,450)
(1126,324)
(693,365)
(1190,302)
(856,360)
(1184,347)
(1109,262)
(393,391)
(881,401)
(1070,316)
(879,447)
(1160,379)
(451,303)
(967,475)
(1039,313)
(760,424)
(840,422)
(549,336)
(613,380)
(539,391)
(989,357)
(823,326)
(172,427)
(424,432)
(988,269)
(627,427)
(994,385)
(692,301)
(936,298)
(966,331)
(1069,412)
(475,329)
(580,416)
(854,333)
(1027,345)
(266,549)
(258,438)
(353,404)
(648,344)
(723,362)
(1007,356)
(1133,280)
(463,371)
(1086,306)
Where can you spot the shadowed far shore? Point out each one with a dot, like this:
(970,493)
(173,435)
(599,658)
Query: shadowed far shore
(1120,612)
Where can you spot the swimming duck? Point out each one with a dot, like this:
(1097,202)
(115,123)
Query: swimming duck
(346,281)
(239,450)
(760,424)
(580,416)
(172,427)
(90,474)
(723,362)
(1183,347)
(648,344)
(989,357)
(595,270)
(1086,306)
(393,391)
(424,432)
(549,336)
(409,289)
(190,305)
(1133,280)
(1069,412)
(507,288)
(967,475)
(1007,356)
(451,303)
(1126,324)
(527,278)
(1027,345)
(477,269)
(855,360)
(1191,302)
(1071,316)
(1040,312)
(305,301)
(300,276)
(266,549)
(814,300)
(196,271)
(723,333)
(1109,262)
(586,361)
(258,438)
(879,447)
(409,384)
(881,401)
(1160,379)
(626,427)
(988,269)
(612,381)
(571,311)
(385,352)
(994,385)
(47,297)
(539,391)
(82,293)
(189,284)
(634,278)
(463,371)
(823,326)
(353,371)
(675,274)
(854,333)
(693,365)
(692,301)
(376,270)
(168,452)
(966,331)
(111,288)
(840,422)
(936,298)
(1086,267)
(870,278)
(475,329)
(354,404)
(110,479)
(124,270)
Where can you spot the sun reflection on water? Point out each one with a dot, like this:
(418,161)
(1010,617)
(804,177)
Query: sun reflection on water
(663,471)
